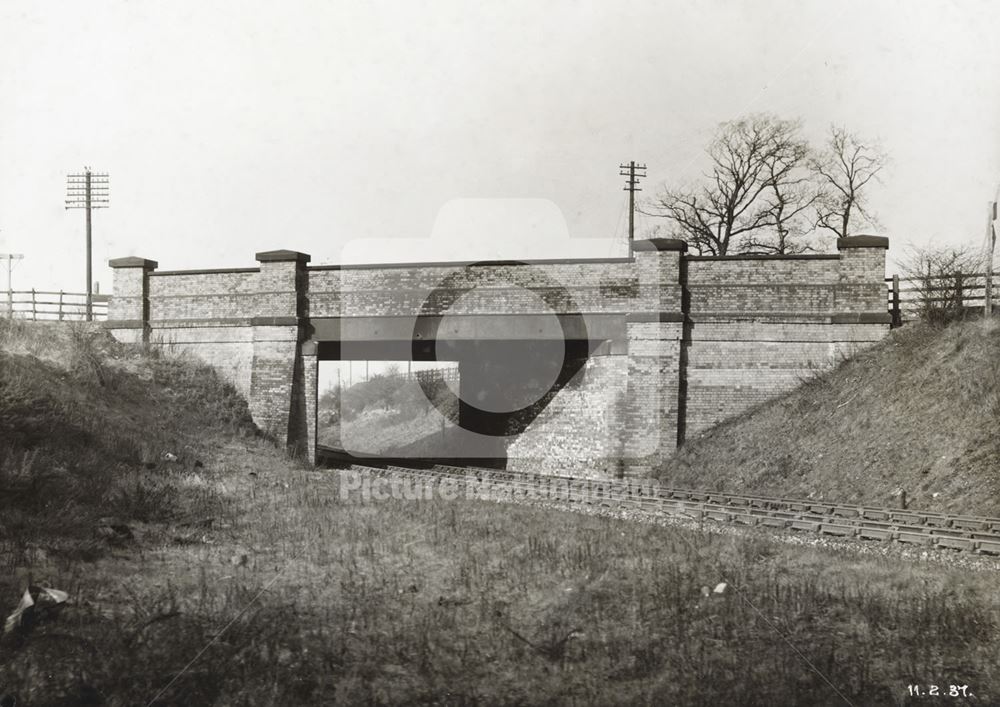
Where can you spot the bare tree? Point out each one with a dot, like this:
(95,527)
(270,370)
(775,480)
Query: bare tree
(793,194)
(756,183)
(844,169)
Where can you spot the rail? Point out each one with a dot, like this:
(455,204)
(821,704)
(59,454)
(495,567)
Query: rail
(976,534)
(48,305)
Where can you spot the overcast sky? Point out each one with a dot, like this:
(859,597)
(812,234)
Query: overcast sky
(233,127)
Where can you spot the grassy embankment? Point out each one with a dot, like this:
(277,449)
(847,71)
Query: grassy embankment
(919,413)
(250,580)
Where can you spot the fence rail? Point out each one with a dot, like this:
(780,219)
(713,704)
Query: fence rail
(431,375)
(48,305)
(911,298)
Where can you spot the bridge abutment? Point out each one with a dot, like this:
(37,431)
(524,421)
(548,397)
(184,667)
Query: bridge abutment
(654,333)
(278,372)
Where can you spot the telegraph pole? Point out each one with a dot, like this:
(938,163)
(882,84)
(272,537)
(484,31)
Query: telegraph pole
(632,186)
(87,190)
(10,258)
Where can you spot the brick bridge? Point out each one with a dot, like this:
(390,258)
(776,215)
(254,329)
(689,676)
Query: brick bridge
(653,348)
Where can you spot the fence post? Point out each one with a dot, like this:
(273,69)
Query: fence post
(60,305)
(927,294)
(897,315)
(959,298)
(34,317)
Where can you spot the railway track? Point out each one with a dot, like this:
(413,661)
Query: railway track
(975,534)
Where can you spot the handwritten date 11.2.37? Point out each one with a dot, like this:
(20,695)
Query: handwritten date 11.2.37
(939,690)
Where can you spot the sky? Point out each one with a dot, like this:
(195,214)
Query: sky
(407,131)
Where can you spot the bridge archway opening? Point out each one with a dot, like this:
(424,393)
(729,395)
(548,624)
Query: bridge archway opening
(454,401)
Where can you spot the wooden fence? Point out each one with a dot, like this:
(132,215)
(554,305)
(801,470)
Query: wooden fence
(429,375)
(912,298)
(40,305)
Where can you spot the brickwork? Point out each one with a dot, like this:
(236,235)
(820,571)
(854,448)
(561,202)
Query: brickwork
(697,339)
(761,326)
(128,311)
(310,402)
(272,375)
(230,349)
(591,403)
(654,364)
(230,295)
(503,289)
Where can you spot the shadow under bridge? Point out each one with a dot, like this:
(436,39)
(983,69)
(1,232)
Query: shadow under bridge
(510,367)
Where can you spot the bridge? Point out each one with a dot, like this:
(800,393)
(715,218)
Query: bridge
(567,365)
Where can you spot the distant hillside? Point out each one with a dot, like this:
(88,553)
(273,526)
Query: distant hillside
(919,413)
(385,415)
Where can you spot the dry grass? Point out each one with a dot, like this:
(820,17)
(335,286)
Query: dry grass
(252,581)
(330,600)
(918,413)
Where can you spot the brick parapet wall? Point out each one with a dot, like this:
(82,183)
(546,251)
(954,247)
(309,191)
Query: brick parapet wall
(822,286)
(597,287)
(224,295)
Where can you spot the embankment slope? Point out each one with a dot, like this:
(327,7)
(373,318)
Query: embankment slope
(919,413)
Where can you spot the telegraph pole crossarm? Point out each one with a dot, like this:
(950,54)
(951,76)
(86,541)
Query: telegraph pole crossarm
(632,186)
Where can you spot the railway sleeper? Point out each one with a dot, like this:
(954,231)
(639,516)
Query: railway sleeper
(951,532)
(914,538)
(873,514)
(938,521)
(954,543)
(806,525)
(983,536)
(843,531)
(969,523)
(869,533)
(846,512)
(784,515)
(773,522)
(988,547)
(877,525)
